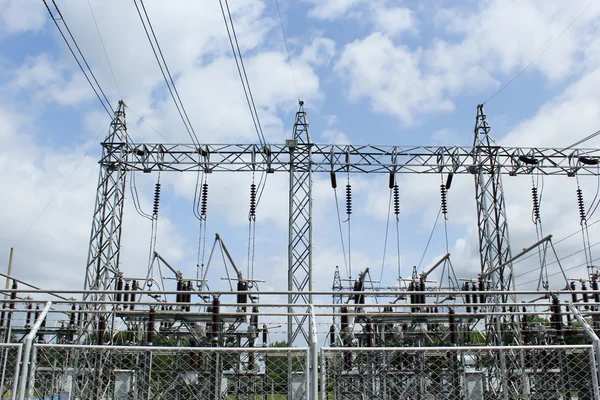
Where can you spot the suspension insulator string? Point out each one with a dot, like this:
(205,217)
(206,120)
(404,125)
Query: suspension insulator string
(537,220)
(444,199)
(154,228)
(396,201)
(251,229)
(156,199)
(348,213)
(204,200)
(337,208)
(584,231)
(202,230)
(252,214)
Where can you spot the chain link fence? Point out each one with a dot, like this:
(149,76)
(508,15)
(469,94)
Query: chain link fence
(10,363)
(119,372)
(527,372)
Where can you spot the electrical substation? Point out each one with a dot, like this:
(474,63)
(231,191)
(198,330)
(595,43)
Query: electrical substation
(430,335)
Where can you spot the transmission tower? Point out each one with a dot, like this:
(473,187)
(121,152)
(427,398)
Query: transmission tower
(105,239)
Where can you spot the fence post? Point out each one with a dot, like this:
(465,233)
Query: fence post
(323,375)
(314,358)
(28,343)
(18,361)
(596,345)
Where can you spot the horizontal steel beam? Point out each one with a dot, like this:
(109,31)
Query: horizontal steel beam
(208,158)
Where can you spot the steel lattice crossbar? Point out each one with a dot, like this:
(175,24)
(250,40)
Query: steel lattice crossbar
(149,157)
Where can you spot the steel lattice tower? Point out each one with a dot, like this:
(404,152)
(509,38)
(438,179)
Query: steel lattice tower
(300,225)
(105,239)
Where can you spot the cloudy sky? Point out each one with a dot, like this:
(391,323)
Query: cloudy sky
(377,72)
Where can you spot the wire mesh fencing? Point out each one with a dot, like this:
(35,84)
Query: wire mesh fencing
(10,364)
(523,372)
(119,372)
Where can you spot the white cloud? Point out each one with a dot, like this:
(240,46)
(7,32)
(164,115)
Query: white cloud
(17,17)
(392,20)
(332,9)
(389,76)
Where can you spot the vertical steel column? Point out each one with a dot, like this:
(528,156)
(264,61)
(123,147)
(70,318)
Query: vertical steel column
(300,234)
(105,238)
(494,244)
(300,227)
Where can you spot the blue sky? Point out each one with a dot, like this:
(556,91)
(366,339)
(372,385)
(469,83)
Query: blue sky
(378,72)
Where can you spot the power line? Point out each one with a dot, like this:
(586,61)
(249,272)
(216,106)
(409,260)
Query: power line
(242,71)
(105,52)
(585,139)
(164,69)
(541,54)
(287,49)
(96,88)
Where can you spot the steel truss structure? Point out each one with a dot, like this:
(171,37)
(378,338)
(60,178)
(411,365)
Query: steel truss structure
(300,158)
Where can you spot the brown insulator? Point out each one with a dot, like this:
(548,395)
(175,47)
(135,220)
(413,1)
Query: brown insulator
(369,330)
(344,318)
(333,179)
(556,318)
(190,288)
(392,181)
(254,318)
(347,360)
(568,314)
(332,335)
(101,329)
(134,287)
(573,295)
(452,326)
(13,295)
(482,298)
(525,327)
(78,316)
(126,295)
(29,314)
(179,289)
(73,316)
(216,319)
(242,298)
(119,295)
(585,295)
(467,297)
(37,312)
(422,289)
(151,322)
(475,299)
(193,355)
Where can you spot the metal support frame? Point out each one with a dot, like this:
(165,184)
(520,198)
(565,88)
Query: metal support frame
(300,158)
(105,238)
(300,225)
